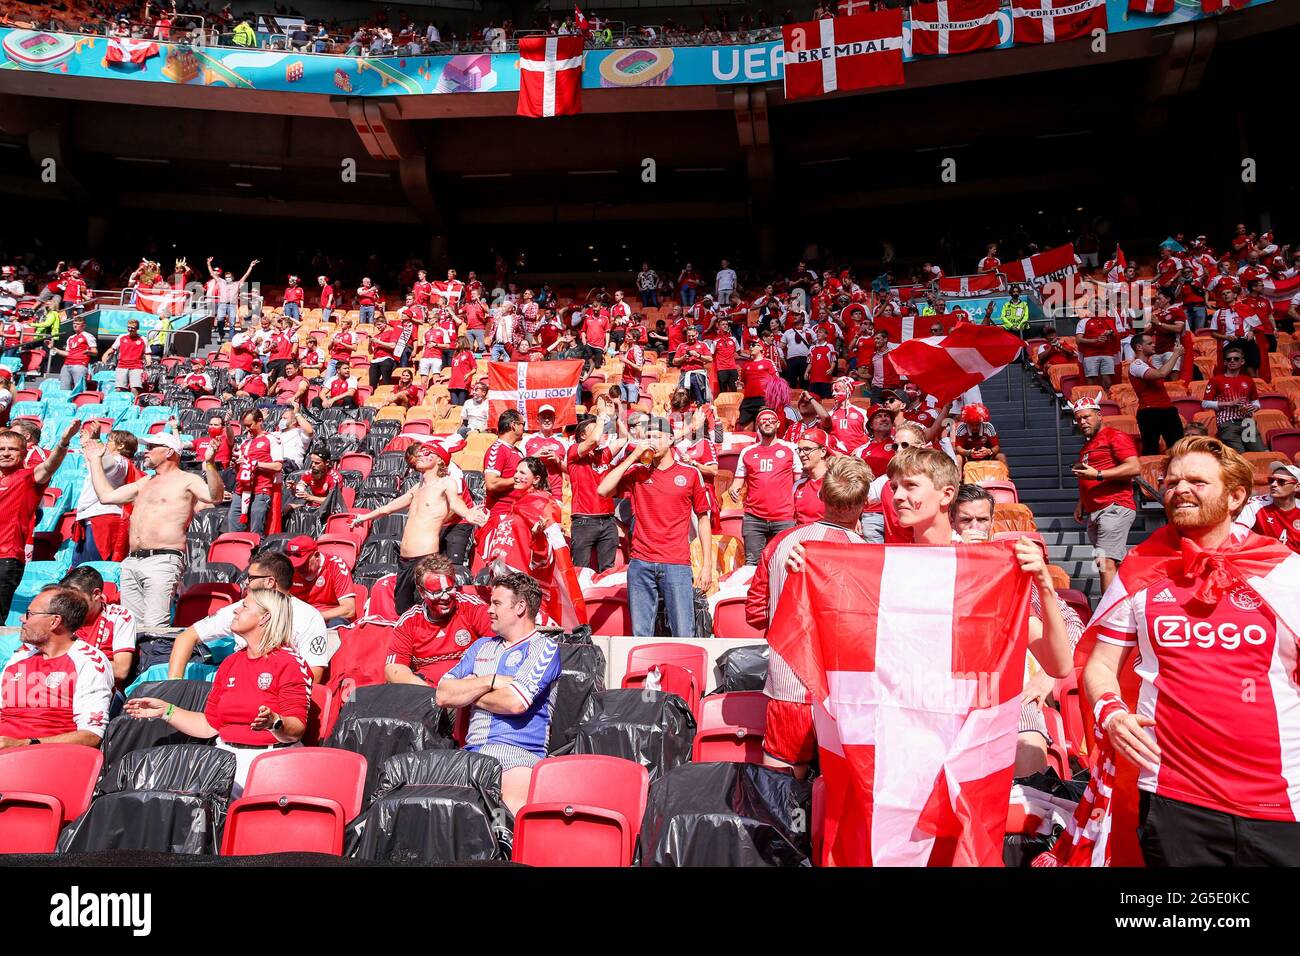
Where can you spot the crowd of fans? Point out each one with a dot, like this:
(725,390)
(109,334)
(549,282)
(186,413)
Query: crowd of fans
(387,34)
(720,428)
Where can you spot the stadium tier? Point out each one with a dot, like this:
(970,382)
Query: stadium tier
(917,487)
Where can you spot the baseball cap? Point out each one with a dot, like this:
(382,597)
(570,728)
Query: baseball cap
(164,440)
(1292,470)
(546,408)
(298,550)
(818,437)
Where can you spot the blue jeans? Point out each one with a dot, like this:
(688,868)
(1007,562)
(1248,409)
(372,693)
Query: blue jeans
(646,583)
(688,296)
(367,314)
(649,299)
(325,314)
(477,340)
(499,352)
(257,512)
(72,377)
(227,310)
(630,393)
(292,311)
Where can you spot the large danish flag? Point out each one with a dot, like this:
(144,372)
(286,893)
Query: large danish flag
(945,366)
(844,53)
(527,386)
(1042,267)
(1051,21)
(128,50)
(915,658)
(954,26)
(550,76)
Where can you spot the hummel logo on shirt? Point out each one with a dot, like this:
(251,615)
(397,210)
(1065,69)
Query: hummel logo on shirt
(1164,597)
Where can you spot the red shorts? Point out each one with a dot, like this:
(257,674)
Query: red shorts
(789,735)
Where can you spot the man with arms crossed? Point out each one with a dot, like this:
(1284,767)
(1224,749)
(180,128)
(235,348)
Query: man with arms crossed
(429,503)
(164,505)
(508,679)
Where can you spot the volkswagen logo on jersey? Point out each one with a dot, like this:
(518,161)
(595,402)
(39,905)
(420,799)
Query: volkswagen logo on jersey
(463,638)
(514,658)
(317,645)
(264,681)
(1246,599)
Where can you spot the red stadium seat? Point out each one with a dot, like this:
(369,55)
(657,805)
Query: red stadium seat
(88,398)
(296,801)
(729,621)
(234,547)
(1079,601)
(582,810)
(342,546)
(609,617)
(382,603)
(27,395)
(1070,700)
(689,656)
(341,523)
(357,461)
(1285,441)
(201,600)
(672,679)
(41,789)
(50,496)
(206,403)
(319,714)
(1057,758)
(732,520)
(417,426)
(1188,408)
(360,429)
(731,728)
(1003,492)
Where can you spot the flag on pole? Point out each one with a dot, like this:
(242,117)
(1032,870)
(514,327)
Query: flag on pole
(954,26)
(1051,21)
(161,301)
(946,366)
(843,53)
(527,386)
(128,50)
(915,659)
(1049,266)
(550,76)
(582,23)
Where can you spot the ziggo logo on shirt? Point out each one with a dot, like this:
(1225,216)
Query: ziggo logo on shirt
(1180,632)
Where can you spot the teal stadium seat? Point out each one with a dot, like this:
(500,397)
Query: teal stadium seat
(108,570)
(51,385)
(36,575)
(20,409)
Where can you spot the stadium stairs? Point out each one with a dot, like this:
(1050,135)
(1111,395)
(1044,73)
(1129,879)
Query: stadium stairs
(1031,459)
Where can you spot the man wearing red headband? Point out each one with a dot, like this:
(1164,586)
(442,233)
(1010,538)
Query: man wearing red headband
(436,496)
(767,471)
(432,636)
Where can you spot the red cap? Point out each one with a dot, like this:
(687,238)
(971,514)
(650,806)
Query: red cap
(875,410)
(820,438)
(298,550)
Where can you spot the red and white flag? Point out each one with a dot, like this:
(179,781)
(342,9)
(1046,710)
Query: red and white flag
(1218,6)
(844,53)
(161,301)
(970,285)
(850,8)
(1051,21)
(954,26)
(1155,7)
(550,76)
(451,291)
(128,50)
(580,21)
(527,386)
(1281,291)
(1049,266)
(945,366)
(915,659)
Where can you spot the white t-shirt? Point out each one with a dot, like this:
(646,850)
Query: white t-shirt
(475,415)
(310,637)
(89,505)
(794,343)
(293,444)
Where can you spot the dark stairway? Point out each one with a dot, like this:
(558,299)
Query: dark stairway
(1032,458)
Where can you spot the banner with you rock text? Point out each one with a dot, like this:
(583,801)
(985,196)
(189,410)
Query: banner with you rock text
(527,386)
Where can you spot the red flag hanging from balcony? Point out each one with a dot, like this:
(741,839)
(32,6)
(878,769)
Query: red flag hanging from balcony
(127,50)
(550,76)
(954,26)
(1052,21)
(844,53)
(1155,7)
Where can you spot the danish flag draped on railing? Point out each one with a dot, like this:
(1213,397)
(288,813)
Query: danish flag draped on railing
(954,26)
(161,301)
(1044,267)
(550,76)
(527,386)
(1051,21)
(1156,7)
(970,285)
(844,53)
(127,50)
(948,365)
(914,657)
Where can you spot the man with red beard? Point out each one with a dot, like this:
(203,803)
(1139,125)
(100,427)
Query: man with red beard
(1214,617)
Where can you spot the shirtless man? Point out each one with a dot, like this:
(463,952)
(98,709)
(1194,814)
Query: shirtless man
(429,503)
(164,504)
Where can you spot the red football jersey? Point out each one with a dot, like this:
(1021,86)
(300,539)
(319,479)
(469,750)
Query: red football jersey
(42,697)
(585,474)
(1107,449)
(769,473)
(327,587)
(429,649)
(662,502)
(502,459)
(280,680)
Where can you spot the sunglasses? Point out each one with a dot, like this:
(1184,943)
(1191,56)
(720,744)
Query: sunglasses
(809,449)
(1274,480)
(904,444)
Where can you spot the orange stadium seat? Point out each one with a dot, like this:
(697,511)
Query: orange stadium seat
(1262,462)
(1286,442)
(1007,517)
(1268,421)
(1123,423)
(978,472)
